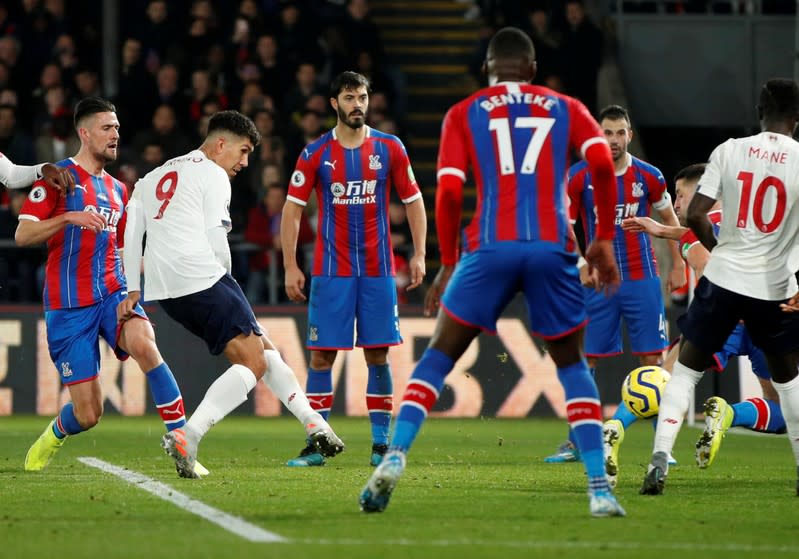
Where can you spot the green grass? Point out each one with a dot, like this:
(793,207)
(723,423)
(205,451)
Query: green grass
(473,488)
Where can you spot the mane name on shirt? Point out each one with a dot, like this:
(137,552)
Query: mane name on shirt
(766,155)
(517,98)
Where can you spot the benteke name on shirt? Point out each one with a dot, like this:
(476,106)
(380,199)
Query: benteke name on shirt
(519,98)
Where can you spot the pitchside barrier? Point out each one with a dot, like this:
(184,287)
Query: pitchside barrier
(507,375)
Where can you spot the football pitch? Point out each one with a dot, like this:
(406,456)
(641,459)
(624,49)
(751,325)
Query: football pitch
(473,488)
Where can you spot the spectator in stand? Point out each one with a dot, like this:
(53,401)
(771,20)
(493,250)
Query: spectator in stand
(87,83)
(202,90)
(582,55)
(305,85)
(361,32)
(59,140)
(272,70)
(165,133)
(547,45)
(14,143)
(155,32)
(136,89)
(263,229)
(168,86)
(293,34)
(151,155)
(65,54)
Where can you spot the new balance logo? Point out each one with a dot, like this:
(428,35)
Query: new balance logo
(670,420)
(330,164)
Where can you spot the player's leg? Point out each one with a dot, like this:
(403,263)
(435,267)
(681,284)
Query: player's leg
(379,400)
(556,305)
(222,316)
(282,381)
(777,334)
(450,340)
(319,390)
(81,414)
(331,327)
(602,339)
(377,325)
(135,337)
(479,289)
(710,319)
(72,341)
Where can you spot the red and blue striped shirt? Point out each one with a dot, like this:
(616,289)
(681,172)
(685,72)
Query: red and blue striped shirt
(639,188)
(353,188)
(517,138)
(82,267)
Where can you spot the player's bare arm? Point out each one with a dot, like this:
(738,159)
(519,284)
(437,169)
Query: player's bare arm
(697,258)
(699,222)
(31,232)
(677,274)
(417,221)
(433,298)
(289,231)
(654,228)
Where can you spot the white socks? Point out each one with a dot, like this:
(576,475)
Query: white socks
(283,383)
(226,393)
(674,404)
(789,403)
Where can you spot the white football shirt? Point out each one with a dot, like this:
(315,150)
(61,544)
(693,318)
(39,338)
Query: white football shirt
(181,200)
(757,180)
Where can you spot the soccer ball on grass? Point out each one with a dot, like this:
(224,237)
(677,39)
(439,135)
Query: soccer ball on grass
(642,389)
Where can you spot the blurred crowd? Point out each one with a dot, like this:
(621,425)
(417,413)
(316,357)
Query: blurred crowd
(179,62)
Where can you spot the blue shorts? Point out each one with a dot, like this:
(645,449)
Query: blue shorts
(338,305)
(217,314)
(739,343)
(640,303)
(485,281)
(715,312)
(73,337)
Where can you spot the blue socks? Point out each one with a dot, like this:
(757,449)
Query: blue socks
(380,401)
(319,390)
(584,413)
(420,396)
(759,414)
(624,415)
(65,422)
(166,395)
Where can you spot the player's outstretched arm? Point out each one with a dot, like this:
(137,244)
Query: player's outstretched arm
(22,176)
(30,232)
(417,221)
(699,222)
(289,231)
(600,254)
(654,228)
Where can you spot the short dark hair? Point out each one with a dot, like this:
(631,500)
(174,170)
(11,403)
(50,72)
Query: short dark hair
(91,106)
(235,123)
(348,80)
(691,172)
(511,42)
(779,99)
(614,112)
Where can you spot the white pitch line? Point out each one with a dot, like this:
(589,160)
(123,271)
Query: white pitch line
(231,523)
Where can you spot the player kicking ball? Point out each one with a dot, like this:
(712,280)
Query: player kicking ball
(183,207)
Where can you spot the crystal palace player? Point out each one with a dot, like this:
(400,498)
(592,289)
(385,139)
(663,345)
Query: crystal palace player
(516,138)
(750,274)
(84,283)
(639,301)
(352,168)
(184,208)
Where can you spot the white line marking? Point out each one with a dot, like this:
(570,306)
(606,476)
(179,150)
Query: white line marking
(231,523)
